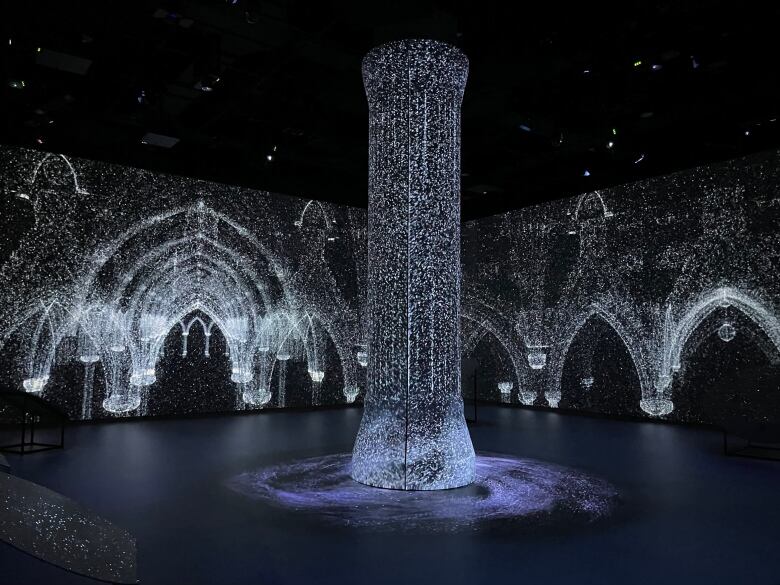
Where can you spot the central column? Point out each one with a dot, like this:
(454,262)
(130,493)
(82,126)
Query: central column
(413,435)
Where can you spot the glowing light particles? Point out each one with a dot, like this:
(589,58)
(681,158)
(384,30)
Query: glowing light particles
(413,434)
(505,387)
(109,275)
(662,265)
(116,264)
(523,492)
(727,332)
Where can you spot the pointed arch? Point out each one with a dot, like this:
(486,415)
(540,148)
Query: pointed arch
(752,308)
(491,322)
(630,341)
(588,197)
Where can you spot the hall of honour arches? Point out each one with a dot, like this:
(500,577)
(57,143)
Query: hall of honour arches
(185,266)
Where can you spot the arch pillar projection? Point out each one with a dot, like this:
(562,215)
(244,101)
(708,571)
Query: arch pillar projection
(536,349)
(413,435)
(637,337)
(675,332)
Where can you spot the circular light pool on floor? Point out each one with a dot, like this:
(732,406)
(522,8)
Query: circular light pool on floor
(507,489)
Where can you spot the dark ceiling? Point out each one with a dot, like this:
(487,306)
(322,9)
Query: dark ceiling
(560,99)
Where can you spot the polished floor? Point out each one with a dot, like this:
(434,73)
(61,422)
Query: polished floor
(686,515)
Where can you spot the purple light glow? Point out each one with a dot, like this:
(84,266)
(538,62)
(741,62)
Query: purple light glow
(506,489)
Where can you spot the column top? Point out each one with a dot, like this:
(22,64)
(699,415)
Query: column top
(414,65)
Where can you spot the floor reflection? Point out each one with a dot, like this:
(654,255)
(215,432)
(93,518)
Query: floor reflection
(507,489)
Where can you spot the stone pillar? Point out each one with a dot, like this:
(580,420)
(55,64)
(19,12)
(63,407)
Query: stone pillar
(413,435)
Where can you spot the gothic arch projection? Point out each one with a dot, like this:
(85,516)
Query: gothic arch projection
(676,335)
(317,233)
(505,380)
(41,348)
(472,334)
(483,318)
(588,220)
(119,274)
(332,310)
(296,337)
(176,253)
(599,373)
(242,235)
(682,245)
(729,370)
(343,341)
(54,336)
(41,166)
(328,221)
(727,323)
(198,261)
(195,380)
(40,173)
(571,327)
(589,206)
(187,327)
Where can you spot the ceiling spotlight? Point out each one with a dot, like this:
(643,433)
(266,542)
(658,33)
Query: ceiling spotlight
(40,140)
(694,62)
(585,71)
(524,128)
(586,173)
(747,132)
(16,84)
(610,144)
(269,157)
(656,67)
(10,42)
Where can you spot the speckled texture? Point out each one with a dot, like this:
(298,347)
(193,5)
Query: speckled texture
(59,531)
(413,435)
(507,489)
(130,293)
(660,298)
